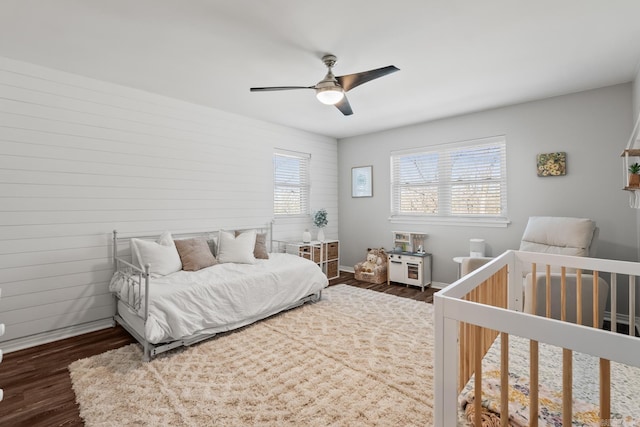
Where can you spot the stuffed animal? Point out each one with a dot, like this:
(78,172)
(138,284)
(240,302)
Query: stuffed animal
(374,269)
(375,258)
(370,264)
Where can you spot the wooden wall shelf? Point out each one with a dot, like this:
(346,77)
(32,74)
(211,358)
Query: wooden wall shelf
(633,152)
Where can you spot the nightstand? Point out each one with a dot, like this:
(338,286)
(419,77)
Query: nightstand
(326,254)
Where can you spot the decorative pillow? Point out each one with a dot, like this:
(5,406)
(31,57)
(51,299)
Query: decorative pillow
(213,245)
(195,254)
(260,250)
(236,249)
(161,254)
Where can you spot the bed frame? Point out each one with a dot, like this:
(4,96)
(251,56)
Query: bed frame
(473,311)
(151,350)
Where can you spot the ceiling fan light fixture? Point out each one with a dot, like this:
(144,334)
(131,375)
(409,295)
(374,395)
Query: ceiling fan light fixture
(330,95)
(331,90)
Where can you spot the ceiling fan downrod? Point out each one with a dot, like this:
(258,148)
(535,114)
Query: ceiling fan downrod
(328,91)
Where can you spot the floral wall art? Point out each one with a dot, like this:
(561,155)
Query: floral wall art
(552,164)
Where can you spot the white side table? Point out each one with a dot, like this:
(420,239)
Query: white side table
(458,260)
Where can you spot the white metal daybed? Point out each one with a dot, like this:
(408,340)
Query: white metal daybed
(185,307)
(552,371)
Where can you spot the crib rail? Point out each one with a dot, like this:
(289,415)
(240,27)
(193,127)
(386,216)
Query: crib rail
(493,292)
(473,311)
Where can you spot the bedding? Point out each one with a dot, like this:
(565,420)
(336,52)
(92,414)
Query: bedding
(625,389)
(221,297)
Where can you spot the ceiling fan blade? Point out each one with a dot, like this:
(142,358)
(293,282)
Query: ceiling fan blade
(268,89)
(350,81)
(344,106)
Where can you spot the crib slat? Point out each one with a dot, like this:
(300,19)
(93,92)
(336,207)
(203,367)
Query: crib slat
(614,302)
(632,305)
(605,390)
(533,383)
(567,386)
(474,341)
(563,293)
(504,379)
(477,392)
(548,290)
(533,357)
(579,297)
(534,288)
(596,314)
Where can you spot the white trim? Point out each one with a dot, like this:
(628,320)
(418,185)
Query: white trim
(56,335)
(465,222)
(439,285)
(284,218)
(455,144)
(292,153)
(347,269)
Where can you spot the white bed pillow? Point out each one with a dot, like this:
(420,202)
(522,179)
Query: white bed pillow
(236,249)
(161,254)
(260,250)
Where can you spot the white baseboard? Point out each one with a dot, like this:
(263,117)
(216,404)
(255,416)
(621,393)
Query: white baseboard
(347,269)
(439,285)
(58,334)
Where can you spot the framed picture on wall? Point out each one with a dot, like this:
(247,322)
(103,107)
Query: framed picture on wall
(552,164)
(362,181)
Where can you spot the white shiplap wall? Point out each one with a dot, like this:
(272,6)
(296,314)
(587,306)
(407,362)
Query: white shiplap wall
(81,157)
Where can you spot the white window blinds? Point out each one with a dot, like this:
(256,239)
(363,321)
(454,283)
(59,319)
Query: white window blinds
(466,179)
(291,185)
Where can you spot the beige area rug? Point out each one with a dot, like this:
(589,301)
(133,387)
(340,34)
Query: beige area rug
(355,358)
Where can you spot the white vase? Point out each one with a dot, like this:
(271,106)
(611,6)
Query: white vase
(306,236)
(321,234)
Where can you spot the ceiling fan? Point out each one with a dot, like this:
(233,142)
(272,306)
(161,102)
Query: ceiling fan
(331,90)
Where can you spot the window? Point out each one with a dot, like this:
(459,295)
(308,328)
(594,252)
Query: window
(291,183)
(465,180)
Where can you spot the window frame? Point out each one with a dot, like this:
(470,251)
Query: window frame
(304,186)
(444,169)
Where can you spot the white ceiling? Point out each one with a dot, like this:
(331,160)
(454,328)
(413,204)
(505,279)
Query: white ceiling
(455,56)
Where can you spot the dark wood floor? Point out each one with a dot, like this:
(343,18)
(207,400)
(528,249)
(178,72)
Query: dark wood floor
(393,289)
(36,383)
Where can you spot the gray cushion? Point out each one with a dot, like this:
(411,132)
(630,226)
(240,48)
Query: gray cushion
(558,235)
(571,291)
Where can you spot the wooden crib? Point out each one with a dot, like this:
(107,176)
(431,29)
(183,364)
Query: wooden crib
(471,313)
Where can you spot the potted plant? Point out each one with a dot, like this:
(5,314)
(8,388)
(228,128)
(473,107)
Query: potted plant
(320,221)
(634,175)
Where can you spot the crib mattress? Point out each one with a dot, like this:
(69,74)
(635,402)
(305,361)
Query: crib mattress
(219,298)
(625,388)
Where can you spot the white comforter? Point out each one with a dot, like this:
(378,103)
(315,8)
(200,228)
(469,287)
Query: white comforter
(221,297)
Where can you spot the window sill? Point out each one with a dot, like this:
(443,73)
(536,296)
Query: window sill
(463,222)
(293,219)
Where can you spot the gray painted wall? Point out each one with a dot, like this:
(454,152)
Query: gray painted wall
(636,94)
(592,127)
